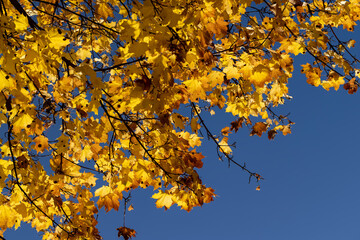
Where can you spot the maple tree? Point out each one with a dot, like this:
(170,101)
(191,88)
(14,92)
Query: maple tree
(99,98)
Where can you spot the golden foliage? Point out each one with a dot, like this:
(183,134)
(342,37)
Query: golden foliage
(100,89)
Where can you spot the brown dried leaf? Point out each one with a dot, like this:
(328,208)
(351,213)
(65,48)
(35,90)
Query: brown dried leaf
(258,129)
(271,134)
(126,233)
(351,86)
(237,124)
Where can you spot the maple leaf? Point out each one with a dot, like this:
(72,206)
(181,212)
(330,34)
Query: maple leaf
(351,43)
(351,86)
(219,27)
(224,146)
(41,143)
(235,125)
(21,23)
(312,74)
(271,134)
(286,130)
(209,195)
(126,233)
(260,75)
(225,131)
(194,125)
(194,159)
(179,120)
(231,72)
(130,208)
(22,122)
(289,45)
(163,200)
(110,201)
(258,129)
(103,10)
(8,217)
(57,39)
(82,112)
(195,89)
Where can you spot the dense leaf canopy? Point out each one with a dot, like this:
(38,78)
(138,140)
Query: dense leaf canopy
(99,98)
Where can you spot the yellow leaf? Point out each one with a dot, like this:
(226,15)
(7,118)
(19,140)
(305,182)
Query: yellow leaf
(102,191)
(231,72)
(224,146)
(195,89)
(7,217)
(312,74)
(260,75)
(110,201)
(57,39)
(40,222)
(86,153)
(163,200)
(5,169)
(351,43)
(88,179)
(191,58)
(215,78)
(22,122)
(104,10)
(290,45)
(4,80)
(21,23)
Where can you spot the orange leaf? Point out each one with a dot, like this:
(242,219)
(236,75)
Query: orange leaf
(130,208)
(258,129)
(286,130)
(41,143)
(225,131)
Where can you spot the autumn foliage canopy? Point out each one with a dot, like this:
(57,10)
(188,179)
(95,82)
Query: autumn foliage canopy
(99,98)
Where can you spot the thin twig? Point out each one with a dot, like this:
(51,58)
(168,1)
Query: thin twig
(230,159)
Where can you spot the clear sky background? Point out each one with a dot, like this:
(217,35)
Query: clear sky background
(310,190)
